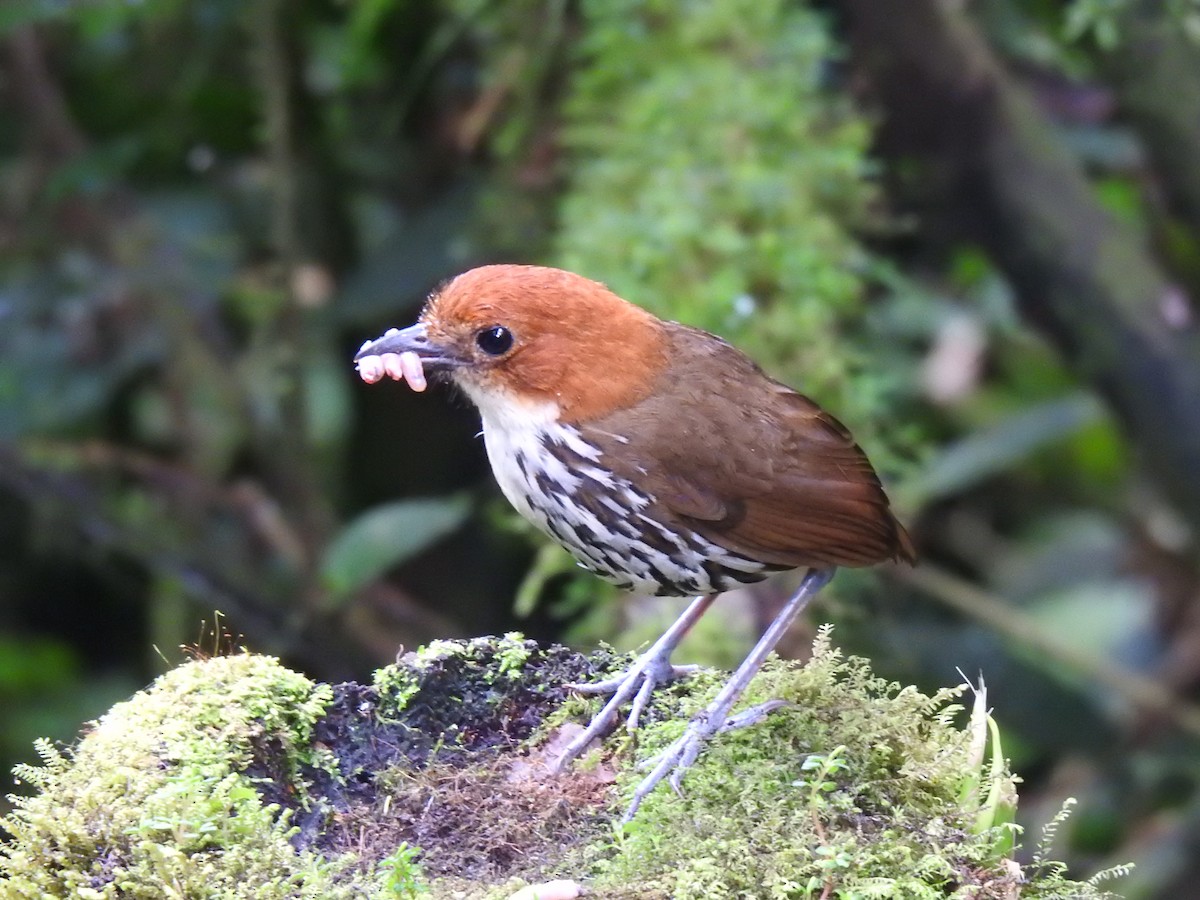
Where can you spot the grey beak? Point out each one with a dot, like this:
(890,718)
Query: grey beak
(415,339)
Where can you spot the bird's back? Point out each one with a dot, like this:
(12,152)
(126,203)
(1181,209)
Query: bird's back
(748,464)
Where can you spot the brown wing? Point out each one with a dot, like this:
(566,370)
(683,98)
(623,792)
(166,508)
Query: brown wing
(754,466)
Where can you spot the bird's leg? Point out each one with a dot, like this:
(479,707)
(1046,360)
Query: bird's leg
(680,755)
(650,669)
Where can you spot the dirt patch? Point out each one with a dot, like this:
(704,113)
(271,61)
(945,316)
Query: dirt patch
(450,771)
(477,821)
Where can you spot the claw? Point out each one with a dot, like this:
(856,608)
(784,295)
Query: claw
(680,755)
(715,717)
(637,683)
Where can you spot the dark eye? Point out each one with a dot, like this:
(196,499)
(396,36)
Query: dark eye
(494,341)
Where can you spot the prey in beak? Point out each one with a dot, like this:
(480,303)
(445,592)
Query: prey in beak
(401,354)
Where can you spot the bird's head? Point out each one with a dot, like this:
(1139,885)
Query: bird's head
(514,336)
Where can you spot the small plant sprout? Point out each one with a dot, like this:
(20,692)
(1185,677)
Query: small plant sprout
(990,789)
(823,767)
(512,653)
(402,873)
(1054,872)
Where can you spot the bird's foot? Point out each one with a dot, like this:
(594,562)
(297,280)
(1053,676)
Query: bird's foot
(679,756)
(652,669)
(639,681)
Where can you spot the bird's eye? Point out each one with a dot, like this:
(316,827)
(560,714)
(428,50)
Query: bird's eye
(494,341)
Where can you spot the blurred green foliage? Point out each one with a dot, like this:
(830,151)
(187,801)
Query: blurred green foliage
(715,179)
(371,544)
(1101,19)
(205,207)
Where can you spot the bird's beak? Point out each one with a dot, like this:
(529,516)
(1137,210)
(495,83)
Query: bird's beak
(414,339)
(403,355)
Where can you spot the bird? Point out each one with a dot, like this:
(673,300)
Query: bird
(664,460)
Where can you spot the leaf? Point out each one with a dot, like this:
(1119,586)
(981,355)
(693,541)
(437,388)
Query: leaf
(1000,807)
(386,536)
(1109,618)
(1003,446)
(551,560)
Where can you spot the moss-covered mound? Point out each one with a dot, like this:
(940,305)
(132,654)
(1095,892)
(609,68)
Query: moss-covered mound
(154,802)
(233,777)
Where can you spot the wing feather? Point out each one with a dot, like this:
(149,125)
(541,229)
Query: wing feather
(775,479)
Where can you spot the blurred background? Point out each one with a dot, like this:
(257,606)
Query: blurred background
(971,229)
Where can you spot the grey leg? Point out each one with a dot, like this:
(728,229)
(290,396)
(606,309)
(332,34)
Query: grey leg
(683,752)
(650,669)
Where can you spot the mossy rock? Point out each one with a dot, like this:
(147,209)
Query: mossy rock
(234,777)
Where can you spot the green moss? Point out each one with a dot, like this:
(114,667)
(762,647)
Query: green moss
(154,802)
(854,790)
(397,685)
(512,653)
(859,788)
(496,659)
(856,783)
(437,651)
(712,136)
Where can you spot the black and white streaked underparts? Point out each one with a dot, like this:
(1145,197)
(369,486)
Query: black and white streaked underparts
(557,480)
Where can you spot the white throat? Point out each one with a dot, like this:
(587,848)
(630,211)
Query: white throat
(513,430)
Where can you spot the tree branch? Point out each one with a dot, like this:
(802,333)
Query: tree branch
(994,167)
(289,450)
(1155,70)
(38,99)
